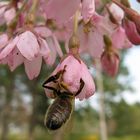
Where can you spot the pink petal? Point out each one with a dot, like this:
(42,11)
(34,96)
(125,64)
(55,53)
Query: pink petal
(51,59)
(131,32)
(83,37)
(3,61)
(43,31)
(72,75)
(89,87)
(61,10)
(9,48)
(110,63)
(95,44)
(118,38)
(28,45)
(10,15)
(44,50)
(15,59)
(64,31)
(62,35)
(92,42)
(3,40)
(33,67)
(67,46)
(57,46)
(3,6)
(117,12)
(88,9)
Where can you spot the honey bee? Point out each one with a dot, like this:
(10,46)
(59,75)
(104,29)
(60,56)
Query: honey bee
(59,112)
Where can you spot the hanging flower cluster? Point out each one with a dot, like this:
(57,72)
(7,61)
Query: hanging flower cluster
(33,29)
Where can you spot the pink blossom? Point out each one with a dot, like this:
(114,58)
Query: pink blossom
(32,68)
(50,38)
(9,15)
(131,31)
(64,31)
(91,41)
(3,40)
(29,40)
(117,12)
(75,70)
(88,9)
(7,12)
(29,48)
(68,8)
(132,25)
(61,10)
(110,62)
(3,6)
(119,39)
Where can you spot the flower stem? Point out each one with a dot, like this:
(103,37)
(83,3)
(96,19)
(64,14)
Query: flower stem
(34,6)
(31,16)
(76,22)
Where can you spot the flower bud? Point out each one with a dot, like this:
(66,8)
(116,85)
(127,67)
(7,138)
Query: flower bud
(131,31)
(109,58)
(74,45)
(131,14)
(110,62)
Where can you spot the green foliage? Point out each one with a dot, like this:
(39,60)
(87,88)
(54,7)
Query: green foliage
(126,118)
(127,137)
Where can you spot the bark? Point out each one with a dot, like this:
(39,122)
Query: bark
(9,88)
(32,87)
(100,88)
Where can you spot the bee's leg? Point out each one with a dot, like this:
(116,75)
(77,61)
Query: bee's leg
(51,88)
(55,91)
(55,77)
(52,78)
(82,83)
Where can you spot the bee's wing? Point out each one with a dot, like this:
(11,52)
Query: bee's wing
(67,127)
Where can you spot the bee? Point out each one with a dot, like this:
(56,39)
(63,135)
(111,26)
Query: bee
(59,112)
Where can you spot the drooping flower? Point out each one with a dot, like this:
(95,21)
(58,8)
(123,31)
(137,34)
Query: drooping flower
(88,9)
(7,12)
(110,62)
(61,10)
(110,58)
(117,12)
(29,48)
(131,23)
(119,39)
(131,31)
(90,35)
(74,71)
(66,12)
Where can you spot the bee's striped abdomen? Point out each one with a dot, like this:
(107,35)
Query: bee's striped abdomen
(58,113)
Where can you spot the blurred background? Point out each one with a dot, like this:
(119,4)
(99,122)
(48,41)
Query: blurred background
(113,113)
